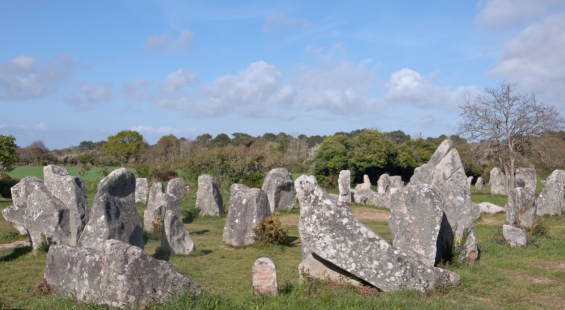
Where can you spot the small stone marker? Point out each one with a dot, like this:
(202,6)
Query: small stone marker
(264,277)
(479,183)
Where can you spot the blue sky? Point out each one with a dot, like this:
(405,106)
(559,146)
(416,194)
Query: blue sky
(77,70)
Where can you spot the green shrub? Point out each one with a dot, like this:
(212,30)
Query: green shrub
(5,185)
(44,245)
(271,232)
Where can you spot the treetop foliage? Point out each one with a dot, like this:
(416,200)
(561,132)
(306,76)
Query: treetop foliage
(124,145)
(8,155)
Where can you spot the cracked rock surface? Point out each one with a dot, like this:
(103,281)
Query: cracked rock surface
(551,200)
(280,190)
(208,197)
(159,203)
(141,190)
(248,207)
(176,188)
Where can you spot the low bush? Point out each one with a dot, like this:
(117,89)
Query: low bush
(271,232)
(5,184)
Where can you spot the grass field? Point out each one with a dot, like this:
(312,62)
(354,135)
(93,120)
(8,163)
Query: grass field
(503,277)
(37,171)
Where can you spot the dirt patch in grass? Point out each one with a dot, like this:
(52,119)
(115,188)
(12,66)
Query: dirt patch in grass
(367,214)
(526,278)
(227,248)
(553,265)
(14,244)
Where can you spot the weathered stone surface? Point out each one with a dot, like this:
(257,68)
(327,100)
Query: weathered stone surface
(487,207)
(365,185)
(335,196)
(497,181)
(176,188)
(418,169)
(551,200)
(264,275)
(396,182)
(479,183)
(415,221)
(445,171)
(15,214)
(528,175)
(305,250)
(469,182)
(371,198)
(175,238)
(344,182)
(514,236)
(70,190)
(317,267)
(521,207)
(141,190)
(113,213)
(118,275)
(159,203)
(208,197)
(330,230)
(383,184)
(279,187)
(248,207)
(475,211)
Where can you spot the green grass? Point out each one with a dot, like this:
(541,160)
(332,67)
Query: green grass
(37,171)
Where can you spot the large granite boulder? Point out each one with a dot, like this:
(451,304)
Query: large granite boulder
(396,182)
(159,203)
(521,207)
(176,188)
(113,213)
(479,183)
(20,192)
(383,184)
(528,175)
(208,197)
(551,200)
(248,207)
(117,275)
(330,230)
(175,238)
(445,172)
(514,236)
(317,267)
(344,182)
(279,187)
(487,207)
(497,182)
(415,222)
(371,198)
(70,190)
(141,190)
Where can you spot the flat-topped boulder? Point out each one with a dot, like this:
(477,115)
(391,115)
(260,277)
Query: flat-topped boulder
(528,175)
(175,238)
(113,213)
(280,190)
(118,275)
(208,197)
(487,207)
(344,183)
(329,229)
(141,190)
(248,207)
(15,214)
(176,188)
(551,200)
(516,237)
(521,207)
(159,203)
(497,181)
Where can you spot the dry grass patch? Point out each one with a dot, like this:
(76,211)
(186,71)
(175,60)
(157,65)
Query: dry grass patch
(368,214)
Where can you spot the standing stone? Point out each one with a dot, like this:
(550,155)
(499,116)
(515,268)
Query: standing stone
(521,207)
(15,214)
(264,275)
(344,182)
(175,238)
(396,182)
(208,197)
(159,203)
(176,188)
(528,175)
(418,169)
(141,190)
(415,222)
(117,275)
(248,207)
(371,198)
(330,230)
(279,187)
(514,236)
(365,185)
(469,182)
(479,183)
(69,190)
(113,213)
(445,171)
(383,184)
(497,182)
(551,200)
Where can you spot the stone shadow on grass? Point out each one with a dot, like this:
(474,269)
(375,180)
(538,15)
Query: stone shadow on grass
(16,253)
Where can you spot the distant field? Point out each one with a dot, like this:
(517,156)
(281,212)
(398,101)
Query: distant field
(37,171)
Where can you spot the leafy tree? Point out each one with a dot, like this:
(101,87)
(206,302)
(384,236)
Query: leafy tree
(86,145)
(331,158)
(397,137)
(123,145)
(85,159)
(313,140)
(204,140)
(282,136)
(98,144)
(221,140)
(283,146)
(371,151)
(242,139)
(270,136)
(8,155)
(38,151)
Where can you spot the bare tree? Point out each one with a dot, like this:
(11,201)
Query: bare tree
(507,121)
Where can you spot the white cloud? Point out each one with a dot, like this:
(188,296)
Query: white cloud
(534,59)
(410,87)
(91,95)
(22,78)
(163,130)
(500,14)
(276,22)
(164,43)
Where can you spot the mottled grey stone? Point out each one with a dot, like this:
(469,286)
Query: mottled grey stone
(469,182)
(415,221)
(117,275)
(497,181)
(418,169)
(248,207)
(280,190)
(15,214)
(113,213)
(344,183)
(335,196)
(365,185)
(305,251)
(208,197)
(487,207)
(264,275)
(141,190)
(371,198)
(519,183)
(331,231)
(528,175)
(159,203)
(176,188)
(479,183)
(70,190)
(317,267)
(551,200)
(521,207)
(396,182)
(514,236)
(445,171)
(383,184)
(175,238)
